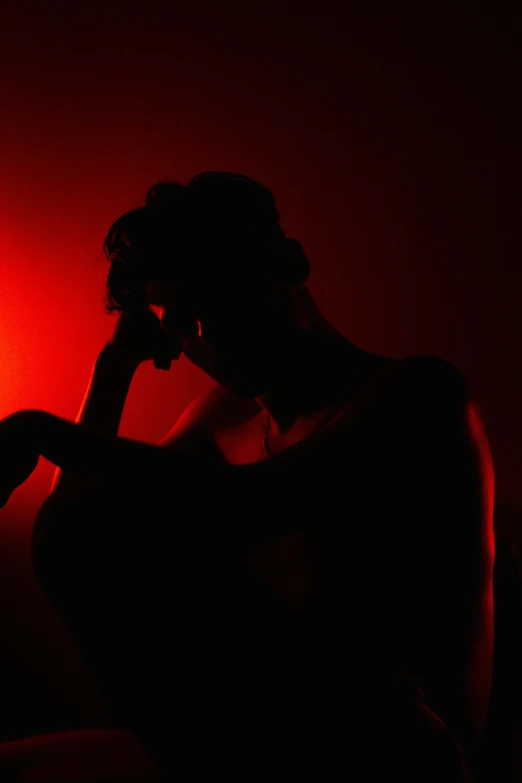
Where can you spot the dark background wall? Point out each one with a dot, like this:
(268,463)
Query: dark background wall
(391,143)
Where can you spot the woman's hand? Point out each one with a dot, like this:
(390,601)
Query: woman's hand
(19,454)
(138,336)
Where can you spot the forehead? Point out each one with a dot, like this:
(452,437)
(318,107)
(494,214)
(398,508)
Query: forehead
(206,291)
(160,290)
(165,292)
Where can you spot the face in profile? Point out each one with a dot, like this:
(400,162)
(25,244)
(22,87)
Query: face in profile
(228,329)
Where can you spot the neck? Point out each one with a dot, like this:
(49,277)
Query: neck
(310,367)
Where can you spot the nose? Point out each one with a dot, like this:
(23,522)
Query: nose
(180,324)
(165,319)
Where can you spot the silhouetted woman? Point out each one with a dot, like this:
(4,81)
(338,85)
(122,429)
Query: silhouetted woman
(300,573)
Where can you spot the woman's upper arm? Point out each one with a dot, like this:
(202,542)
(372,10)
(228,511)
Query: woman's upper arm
(451,501)
(457,465)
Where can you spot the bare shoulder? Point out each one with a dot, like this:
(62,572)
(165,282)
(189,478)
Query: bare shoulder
(404,393)
(432,373)
(447,417)
(431,388)
(438,404)
(214,407)
(415,404)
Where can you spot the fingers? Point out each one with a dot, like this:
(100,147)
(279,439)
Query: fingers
(162,363)
(169,348)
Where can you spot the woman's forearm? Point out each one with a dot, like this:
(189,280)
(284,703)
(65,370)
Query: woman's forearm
(109,385)
(104,401)
(81,452)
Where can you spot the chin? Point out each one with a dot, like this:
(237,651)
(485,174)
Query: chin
(243,390)
(244,384)
(242,387)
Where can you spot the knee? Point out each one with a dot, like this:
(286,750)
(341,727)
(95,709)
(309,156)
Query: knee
(50,545)
(80,533)
(43,538)
(62,533)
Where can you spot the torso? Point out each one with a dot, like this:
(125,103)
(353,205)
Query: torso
(288,567)
(276,591)
(348,599)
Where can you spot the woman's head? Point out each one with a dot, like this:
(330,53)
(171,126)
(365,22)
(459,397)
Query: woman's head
(213,257)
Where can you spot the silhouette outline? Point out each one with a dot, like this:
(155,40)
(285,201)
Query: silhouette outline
(313,536)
